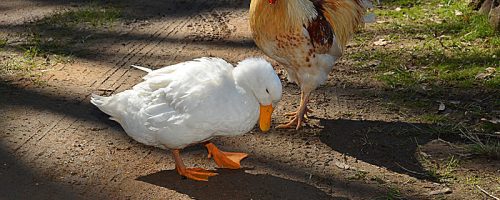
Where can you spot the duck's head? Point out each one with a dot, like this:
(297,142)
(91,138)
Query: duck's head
(258,76)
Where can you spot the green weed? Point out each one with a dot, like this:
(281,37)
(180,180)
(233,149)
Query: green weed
(392,194)
(453,45)
(93,16)
(3,42)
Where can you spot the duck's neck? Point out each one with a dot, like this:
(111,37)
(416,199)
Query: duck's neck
(242,79)
(249,104)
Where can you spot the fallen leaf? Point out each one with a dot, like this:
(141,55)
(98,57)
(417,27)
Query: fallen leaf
(398,9)
(486,74)
(493,121)
(490,70)
(444,37)
(374,63)
(389,73)
(458,13)
(342,165)
(381,42)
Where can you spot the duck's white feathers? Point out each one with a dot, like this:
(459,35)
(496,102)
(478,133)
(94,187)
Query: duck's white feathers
(183,104)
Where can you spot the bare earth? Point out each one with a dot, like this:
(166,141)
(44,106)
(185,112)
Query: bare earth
(55,145)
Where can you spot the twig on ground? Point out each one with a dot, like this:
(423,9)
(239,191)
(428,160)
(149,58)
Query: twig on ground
(106,90)
(472,137)
(485,192)
(413,172)
(450,144)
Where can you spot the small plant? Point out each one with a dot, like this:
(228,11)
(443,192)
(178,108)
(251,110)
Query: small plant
(434,118)
(392,194)
(32,61)
(360,175)
(472,180)
(489,148)
(440,172)
(93,15)
(447,171)
(3,42)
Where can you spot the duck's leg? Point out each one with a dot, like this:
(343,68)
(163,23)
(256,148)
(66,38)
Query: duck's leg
(298,119)
(223,159)
(197,174)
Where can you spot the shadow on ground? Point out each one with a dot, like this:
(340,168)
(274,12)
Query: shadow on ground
(392,145)
(236,184)
(56,33)
(150,9)
(340,135)
(21,182)
(70,104)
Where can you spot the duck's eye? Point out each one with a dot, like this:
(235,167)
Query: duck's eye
(267,90)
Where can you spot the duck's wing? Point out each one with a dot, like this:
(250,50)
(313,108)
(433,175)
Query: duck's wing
(178,93)
(177,105)
(185,66)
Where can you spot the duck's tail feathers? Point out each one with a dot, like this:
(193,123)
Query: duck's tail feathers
(142,68)
(97,100)
(101,102)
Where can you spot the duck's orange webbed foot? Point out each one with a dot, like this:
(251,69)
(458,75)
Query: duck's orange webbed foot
(230,160)
(197,174)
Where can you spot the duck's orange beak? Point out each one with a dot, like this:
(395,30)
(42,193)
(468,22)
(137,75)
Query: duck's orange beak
(265,117)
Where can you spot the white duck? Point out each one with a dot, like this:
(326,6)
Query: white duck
(194,101)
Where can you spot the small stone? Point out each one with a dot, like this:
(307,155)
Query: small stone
(381,42)
(442,107)
(342,165)
(445,190)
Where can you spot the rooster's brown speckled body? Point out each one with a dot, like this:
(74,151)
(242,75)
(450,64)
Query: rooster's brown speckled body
(305,36)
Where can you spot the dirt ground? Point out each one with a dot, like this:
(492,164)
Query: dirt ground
(55,145)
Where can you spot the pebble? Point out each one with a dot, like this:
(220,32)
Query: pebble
(445,190)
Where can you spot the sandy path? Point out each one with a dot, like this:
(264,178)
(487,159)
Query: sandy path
(55,144)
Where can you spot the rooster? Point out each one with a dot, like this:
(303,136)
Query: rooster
(307,37)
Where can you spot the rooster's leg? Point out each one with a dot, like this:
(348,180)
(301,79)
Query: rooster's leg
(298,119)
(197,174)
(291,115)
